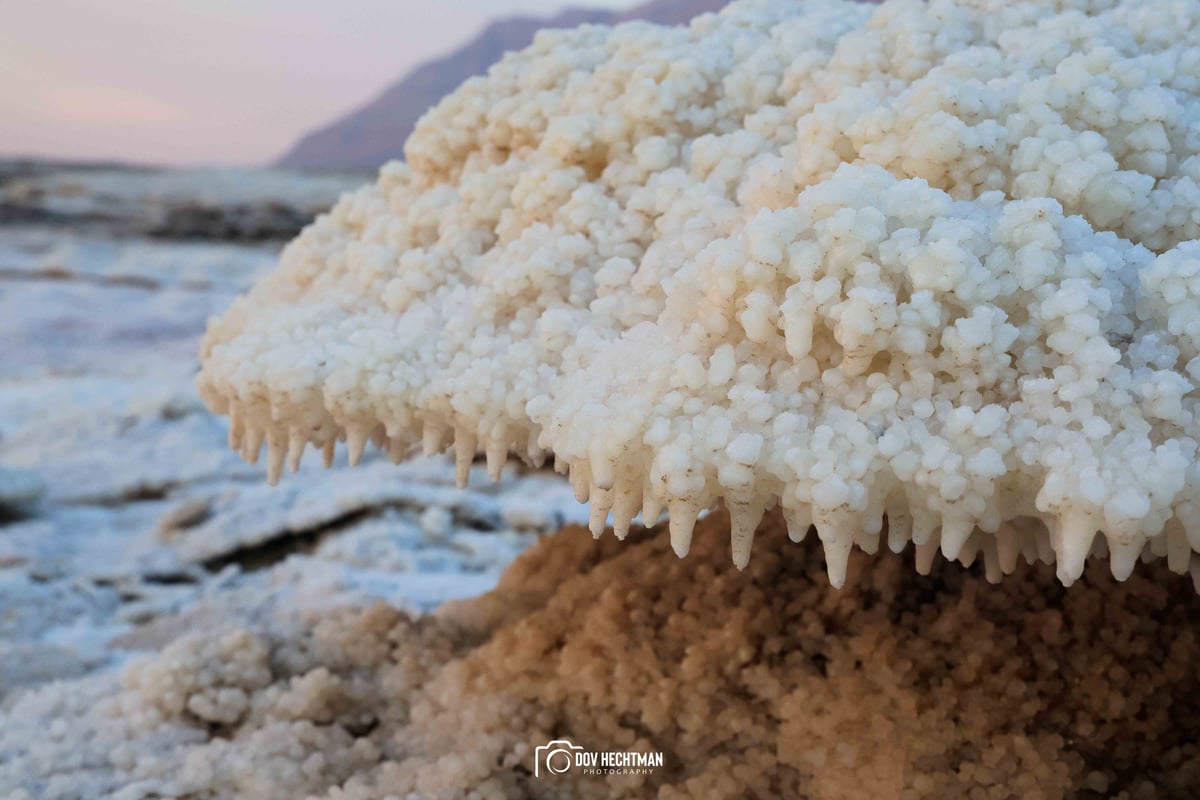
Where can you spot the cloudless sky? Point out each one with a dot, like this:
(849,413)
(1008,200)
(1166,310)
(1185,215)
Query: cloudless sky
(212,81)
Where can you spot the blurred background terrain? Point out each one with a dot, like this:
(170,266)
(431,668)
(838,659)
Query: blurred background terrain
(297,83)
(140,191)
(372,134)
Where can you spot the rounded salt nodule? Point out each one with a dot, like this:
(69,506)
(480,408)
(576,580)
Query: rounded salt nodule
(672,280)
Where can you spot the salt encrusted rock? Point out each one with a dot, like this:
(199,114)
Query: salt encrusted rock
(929,260)
(754,683)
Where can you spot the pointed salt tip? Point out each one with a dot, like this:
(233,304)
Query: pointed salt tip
(899,530)
(580,481)
(432,437)
(620,528)
(464,454)
(1029,546)
(1157,545)
(968,554)
(1122,557)
(252,445)
(1179,551)
(873,522)
(276,453)
(597,521)
(625,506)
(682,521)
(991,561)
(1075,534)
(1044,552)
(296,444)
(924,556)
(955,533)
(798,521)
(356,443)
(601,503)
(837,557)
(396,450)
(1192,532)
(328,450)
(497,456)
(743,522)
(237,427)
(651,509)
(868,542)
(235,435)
(1007,549)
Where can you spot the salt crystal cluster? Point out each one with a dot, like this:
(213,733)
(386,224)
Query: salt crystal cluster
(929,260)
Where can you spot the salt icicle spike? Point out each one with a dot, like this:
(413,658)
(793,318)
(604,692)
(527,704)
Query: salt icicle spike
(925,553)
(580,477)
(464,454)
(899,525)
(1122,557)
(601,504)
(1075,534)
(682,519)
(1007,548)
(296,445)
(798,521)
(252,444)
(433,438)
(955,532)
(236,427)
(837,541)
(991,561)
(628,499)
(744,517)
(496,452)
(651,508)
(1179,552)
(276,453)
(356,443)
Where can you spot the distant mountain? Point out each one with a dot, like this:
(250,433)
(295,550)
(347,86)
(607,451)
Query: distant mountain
(371,135)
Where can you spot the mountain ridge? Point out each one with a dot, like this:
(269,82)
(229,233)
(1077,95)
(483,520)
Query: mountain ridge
(375,132)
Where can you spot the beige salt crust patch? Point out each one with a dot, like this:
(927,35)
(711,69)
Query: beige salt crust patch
(759,683)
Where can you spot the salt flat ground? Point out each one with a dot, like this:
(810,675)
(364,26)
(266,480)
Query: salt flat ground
(124,518)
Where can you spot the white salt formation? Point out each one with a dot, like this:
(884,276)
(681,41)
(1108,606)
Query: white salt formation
(934,260)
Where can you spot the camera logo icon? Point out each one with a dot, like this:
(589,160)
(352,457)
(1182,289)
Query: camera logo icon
(556,756)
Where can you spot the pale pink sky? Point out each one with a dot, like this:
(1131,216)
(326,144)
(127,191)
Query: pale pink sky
(211,81)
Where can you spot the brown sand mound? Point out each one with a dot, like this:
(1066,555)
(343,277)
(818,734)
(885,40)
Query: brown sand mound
(765,683)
